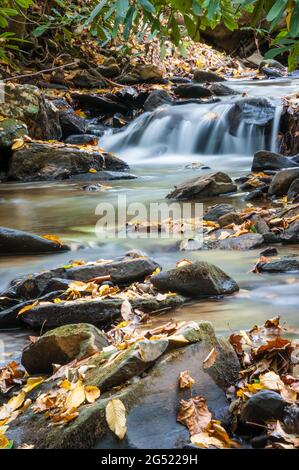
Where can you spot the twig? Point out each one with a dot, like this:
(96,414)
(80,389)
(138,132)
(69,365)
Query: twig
(40,72)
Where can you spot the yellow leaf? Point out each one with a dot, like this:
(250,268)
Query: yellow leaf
(92,170)
(28,307)
(116,417)
(53,238)
(17,144)
(32,382)
(76,396)
(66,384)
(157,271)
(183,262)
(17,401)
(92,393)
(4,441)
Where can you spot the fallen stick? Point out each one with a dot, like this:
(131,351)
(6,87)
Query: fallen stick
(39,73)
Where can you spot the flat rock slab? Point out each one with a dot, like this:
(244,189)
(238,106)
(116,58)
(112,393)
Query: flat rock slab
(264,160)
(18,242)
(41,161)
(199,279)
(151,400)
(97,312)
(204,186)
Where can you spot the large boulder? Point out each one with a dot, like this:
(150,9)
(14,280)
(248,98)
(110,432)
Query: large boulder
(263,406)
(265,160)
(61,346)
(18,242)
(293,190)
(251,111)
(49,161)
(27,104)
(199,279)
(205,186)
(148,373)
(282,181)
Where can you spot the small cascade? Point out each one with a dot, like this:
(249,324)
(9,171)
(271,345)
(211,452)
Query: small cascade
(201,129)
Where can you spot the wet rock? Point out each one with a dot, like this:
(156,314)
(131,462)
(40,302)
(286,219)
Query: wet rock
(293,190)
(291,234)
(219,89)
(199,279)
(27,104)
(123,272)
(272,68)
(285,264)
(202,76)
(263,406)
(157,98)
(105,176)
(282,181)
(248,241)
(291,419)
(270,251)
(43,161)
(97,104)
(155,369)
(265,160)
(255,195)
(98,312)
(260,224)
(215,212)
(271,237)
(192,91)
(18,242)
(85,139)
(251,111)
(61,346)
(230,218)
(93,188)
(88,79)
(11,129)
(204,187)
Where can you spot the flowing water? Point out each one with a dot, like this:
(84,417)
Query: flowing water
(158,146)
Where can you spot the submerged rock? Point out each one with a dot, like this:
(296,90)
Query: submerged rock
(61,346)
(192,91)
(18,242)
(44,161)
(198,279)
(204,187)
(272,68)
(265,160)
(250,111)
(282,181)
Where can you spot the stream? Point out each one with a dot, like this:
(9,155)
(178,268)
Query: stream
(158,146)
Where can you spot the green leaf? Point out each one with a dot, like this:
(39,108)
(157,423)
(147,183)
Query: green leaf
(277,10)
(147,5)
(96,11)
(40,30)
(294,24)
(122,8)
(293,60)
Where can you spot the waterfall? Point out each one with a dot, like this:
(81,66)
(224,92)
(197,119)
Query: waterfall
(202,129)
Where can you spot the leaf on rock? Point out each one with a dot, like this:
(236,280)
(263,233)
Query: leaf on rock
(185,380)
(194,414)
(116,417)
(76,396)
(92,393)
(17,144)
(126,311)
(32,382)
(210,359)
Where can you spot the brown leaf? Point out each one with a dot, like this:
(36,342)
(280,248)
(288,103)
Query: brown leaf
(185,380)
(194,414)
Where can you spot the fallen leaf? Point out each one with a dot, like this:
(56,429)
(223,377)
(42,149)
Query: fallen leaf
(32,382)
(116,417)
(194,414)
(185,380)
(210,359)
(92,393)
(76,396)
(17,144)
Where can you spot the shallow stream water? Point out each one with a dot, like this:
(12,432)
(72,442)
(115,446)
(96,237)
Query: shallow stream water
(158,157)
